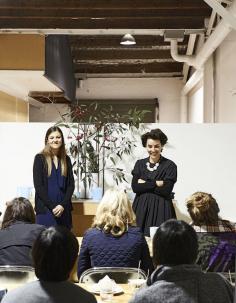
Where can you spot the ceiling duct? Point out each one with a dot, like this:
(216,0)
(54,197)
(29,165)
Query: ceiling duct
(173,34)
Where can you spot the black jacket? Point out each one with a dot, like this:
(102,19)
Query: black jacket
(16,242)
(42,202)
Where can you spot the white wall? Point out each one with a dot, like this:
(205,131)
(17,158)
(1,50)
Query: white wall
(225,85)
(167,90)
(209,90)
(219,84)
(21,141)
(204,153)
(205,156)
(195,106)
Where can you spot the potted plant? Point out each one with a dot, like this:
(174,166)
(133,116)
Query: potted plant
(98,138)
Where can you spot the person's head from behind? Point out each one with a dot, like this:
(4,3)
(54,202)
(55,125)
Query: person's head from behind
(203,209)
(19,209)
(54,254)
(114,213)
(175,243)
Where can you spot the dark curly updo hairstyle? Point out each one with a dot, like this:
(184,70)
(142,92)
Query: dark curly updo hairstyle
(154,134)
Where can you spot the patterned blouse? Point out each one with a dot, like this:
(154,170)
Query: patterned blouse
(222,226)
(217,246)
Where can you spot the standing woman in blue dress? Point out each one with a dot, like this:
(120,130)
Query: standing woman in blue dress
(153,181)
(53,181)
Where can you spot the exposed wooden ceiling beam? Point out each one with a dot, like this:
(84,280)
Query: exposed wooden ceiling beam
(129,68)
(183,22)
(49,97)
(111,41)
(21,12)
(104,4)
(122,54)
(130,75)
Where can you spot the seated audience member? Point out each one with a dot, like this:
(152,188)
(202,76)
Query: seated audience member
(216,237)
(54,254)
(177,279)
(18,233)
(114,240)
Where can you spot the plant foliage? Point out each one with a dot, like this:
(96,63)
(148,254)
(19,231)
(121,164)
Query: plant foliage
(99,138)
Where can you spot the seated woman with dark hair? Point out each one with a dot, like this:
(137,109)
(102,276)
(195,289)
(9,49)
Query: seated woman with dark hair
(177,279)
(114,240)
(54,254)
(216,237)
(18,233)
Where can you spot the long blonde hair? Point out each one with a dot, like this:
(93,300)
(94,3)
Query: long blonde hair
(48,154)
(203,208)
(114,214)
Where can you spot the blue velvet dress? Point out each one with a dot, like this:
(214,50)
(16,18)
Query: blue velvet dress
(56,193)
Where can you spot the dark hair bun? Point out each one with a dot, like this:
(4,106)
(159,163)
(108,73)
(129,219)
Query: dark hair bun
(154,134)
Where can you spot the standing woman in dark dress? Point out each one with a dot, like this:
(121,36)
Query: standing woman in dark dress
(53,181)
(153,180)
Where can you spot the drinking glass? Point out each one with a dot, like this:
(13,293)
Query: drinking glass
(106,295)
(135,284)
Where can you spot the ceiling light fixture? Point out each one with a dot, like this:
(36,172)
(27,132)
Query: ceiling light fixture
(127,39)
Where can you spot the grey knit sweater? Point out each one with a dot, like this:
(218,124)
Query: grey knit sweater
(49,292)
(184,284)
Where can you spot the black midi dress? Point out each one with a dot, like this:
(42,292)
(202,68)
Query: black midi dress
(152,204)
